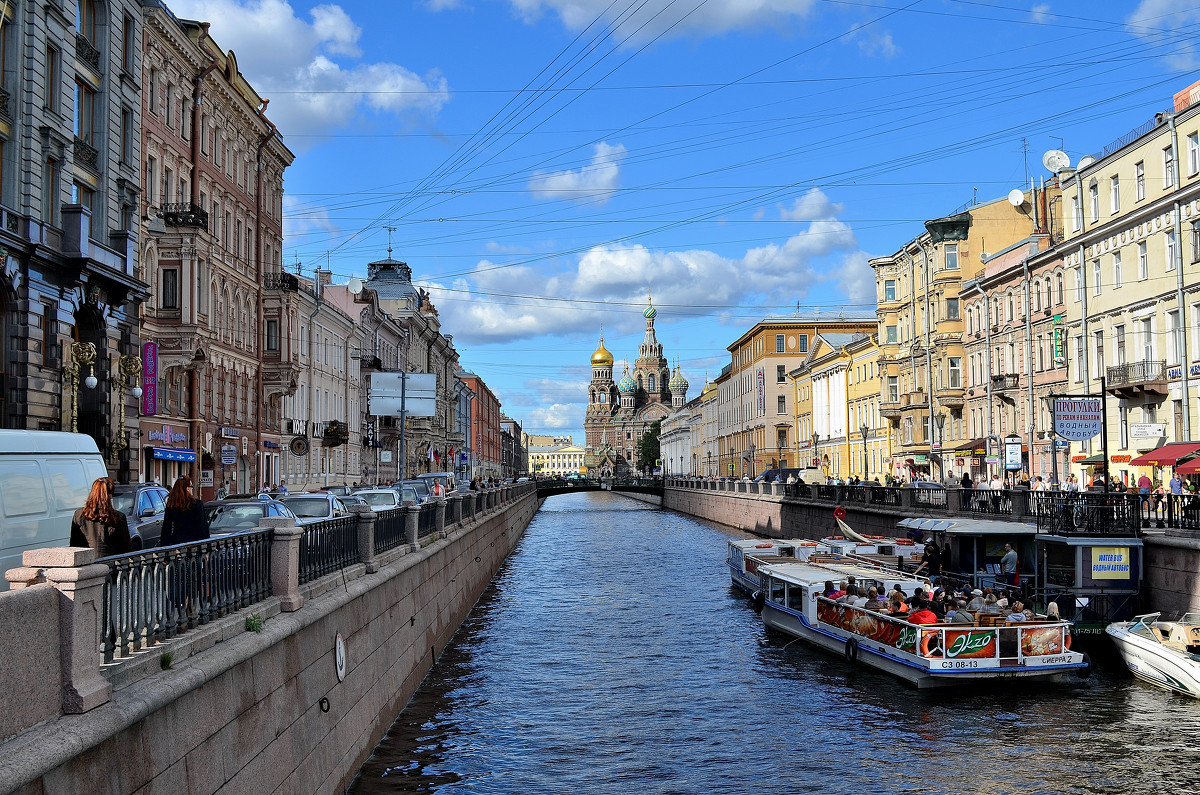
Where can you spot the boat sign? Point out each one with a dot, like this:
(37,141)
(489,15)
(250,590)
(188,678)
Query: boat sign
(1077,419)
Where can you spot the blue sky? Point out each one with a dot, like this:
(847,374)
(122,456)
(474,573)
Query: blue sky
(546,162)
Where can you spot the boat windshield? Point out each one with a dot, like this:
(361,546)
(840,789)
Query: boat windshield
(1188,620)
(1141,627)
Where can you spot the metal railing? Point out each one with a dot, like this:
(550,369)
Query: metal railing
(427,519)
(326,547)
(184,214)
(1137,373)
(1088,513)
(1007,381)
(929,497)
(996,502)
(154,595)
(389,529)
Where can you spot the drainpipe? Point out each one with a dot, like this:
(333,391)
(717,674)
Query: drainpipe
(1030,424)
(987,341)
(929,362)
(1180,334)
(1084,340)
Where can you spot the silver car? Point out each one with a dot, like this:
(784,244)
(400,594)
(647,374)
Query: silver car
(315,507)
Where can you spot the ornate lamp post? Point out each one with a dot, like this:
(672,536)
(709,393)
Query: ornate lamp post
(83,354)
(864,430)
(941,425)
(816,437)
(130,368)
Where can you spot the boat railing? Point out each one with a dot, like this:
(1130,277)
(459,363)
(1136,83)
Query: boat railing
(952,646)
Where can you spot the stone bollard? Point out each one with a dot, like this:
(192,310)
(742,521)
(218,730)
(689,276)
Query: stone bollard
(454,510)
(411,515)
(954,501)
(80,580)
(366,537)
(285,561)
(439,518)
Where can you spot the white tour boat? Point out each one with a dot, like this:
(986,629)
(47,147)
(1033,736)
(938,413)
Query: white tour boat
(746,554)
(1163,653)
(928,655)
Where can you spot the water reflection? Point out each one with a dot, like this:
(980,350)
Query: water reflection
(610,653)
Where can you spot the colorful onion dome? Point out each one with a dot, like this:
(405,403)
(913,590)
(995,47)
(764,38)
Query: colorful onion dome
(678,382)
(649,312)
(602,357)
(627,385)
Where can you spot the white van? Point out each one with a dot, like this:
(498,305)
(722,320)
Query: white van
(45,476)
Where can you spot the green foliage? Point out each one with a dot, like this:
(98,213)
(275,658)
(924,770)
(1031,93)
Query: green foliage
(647,447)
(255,623)
(167,660)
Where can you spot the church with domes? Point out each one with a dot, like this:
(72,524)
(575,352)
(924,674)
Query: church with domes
(620,412)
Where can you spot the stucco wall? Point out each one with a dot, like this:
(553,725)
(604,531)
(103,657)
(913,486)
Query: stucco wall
(246,714)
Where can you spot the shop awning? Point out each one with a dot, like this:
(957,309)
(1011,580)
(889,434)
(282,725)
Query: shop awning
(988,527)
(1188,467)
(1091,460)
(926,525)
(1166,456)
(171,454)
(971,446)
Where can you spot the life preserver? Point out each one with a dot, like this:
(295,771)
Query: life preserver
(763,546)
(760,601)
(1066,640)
(851,650)
(928,644)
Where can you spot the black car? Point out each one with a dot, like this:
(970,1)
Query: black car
(143,505)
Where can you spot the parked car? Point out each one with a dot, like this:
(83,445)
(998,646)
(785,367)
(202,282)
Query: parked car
(315,506)
(340,491)
(144,505)
(421,487)
(447,480)
(381,499)
(354,499)
(236,515)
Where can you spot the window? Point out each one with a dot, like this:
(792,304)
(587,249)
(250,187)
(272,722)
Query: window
(1143,262)
(169,111)
(1170,238)
(950,257)
(1114,194)
(803,340)
(1011,313)
(952,308)
(1078,358)
(889,290)
(1116,269)
(1078,283)
(1139,180)
(1037,297)
(152,91)
(272,335)
(1119,340)
(85,20)
(49,190)
(1147,330)
(893,389)
(84,196)
(126,136)
(1098,349)
(780,375)
(53,77)
(1094,200)
(779,348)
(890,334)
(128,43)
(85,112)
(1174,337)
(170,288)
(1123,425)
(1058,288)
(954,372)
(1193,145)
(1076,213)
(781,404)
(1169,167)
(151,170)
(1096,277)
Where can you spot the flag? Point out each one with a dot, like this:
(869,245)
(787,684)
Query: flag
(450,455)
(429,452)
(436,458)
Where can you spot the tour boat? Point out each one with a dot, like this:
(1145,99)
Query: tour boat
(928,655)
(1162,653)
(747,554)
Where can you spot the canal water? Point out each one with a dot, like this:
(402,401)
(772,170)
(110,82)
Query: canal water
(611,655)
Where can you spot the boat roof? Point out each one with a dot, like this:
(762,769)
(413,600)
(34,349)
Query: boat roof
(986,527)
(750,544)
(809,573)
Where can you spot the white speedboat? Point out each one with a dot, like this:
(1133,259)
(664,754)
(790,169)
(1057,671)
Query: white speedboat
(746,554)
(928,655)
(1163,653)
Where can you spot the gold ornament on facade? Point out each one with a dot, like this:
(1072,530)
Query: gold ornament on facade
(130,368)
(83,354)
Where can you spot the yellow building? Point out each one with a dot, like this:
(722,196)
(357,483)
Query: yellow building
(921,330)
(561,460)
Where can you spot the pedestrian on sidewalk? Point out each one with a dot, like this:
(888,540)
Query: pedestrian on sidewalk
(99,525)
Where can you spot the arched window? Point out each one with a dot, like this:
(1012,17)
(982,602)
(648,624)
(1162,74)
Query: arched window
(639,381)
(1037,298)
(652,382)
(1058,288)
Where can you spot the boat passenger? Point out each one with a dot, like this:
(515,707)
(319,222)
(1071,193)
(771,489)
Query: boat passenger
(829,590)
(1052,613)
(861,599)
(961,614)
(897,608)
(976,603)
(850,595)
(1018,612)
(938,604)
(840,592)
(990,604)
(922,614)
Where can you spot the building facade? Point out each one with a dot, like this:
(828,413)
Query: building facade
(487,454)
(516,458)
(558,460)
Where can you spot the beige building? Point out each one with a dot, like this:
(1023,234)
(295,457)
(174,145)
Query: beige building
(559,460)
(755,417)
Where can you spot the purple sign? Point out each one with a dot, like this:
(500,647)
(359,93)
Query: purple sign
(149,379)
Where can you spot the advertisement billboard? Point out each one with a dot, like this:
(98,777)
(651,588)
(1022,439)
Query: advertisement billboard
(1077,418)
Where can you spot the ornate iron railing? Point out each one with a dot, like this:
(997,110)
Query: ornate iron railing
(1137,373)
(87,52)
(427,520)
(184,214)
(925,495)
(85,154)
(389,529)
(281,280)
(988,501)
(326,547)
(154,595)
(1089,513)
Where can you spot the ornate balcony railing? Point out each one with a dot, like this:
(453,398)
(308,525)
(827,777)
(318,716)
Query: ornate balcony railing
(85,154)
(1006,381)
(86,52)
(184,214)
(281,281)
(1135,373)
(4,110)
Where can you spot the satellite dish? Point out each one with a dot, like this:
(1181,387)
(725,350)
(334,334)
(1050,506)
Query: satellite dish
(1086,161)
(1016,197)
(355,285)
(1055,160)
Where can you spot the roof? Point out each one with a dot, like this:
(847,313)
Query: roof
(985,527)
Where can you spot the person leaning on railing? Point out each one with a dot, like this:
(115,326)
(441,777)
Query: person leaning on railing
(99,525)
(184,520)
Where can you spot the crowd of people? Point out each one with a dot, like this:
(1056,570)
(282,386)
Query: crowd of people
(938,602)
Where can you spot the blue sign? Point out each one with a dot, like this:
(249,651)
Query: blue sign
(170,454)
(463,458)
(1077,418)
(228,455)
(1061,444)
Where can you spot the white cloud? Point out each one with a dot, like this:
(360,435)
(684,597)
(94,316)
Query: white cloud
(657,15)
(334,92)
(1040,13)
(594,183)
(300,222)
(554,417)
(700,282)
(1154,20)
(878,44)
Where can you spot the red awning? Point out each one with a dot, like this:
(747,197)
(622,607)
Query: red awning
(1188,467)
(1166,456)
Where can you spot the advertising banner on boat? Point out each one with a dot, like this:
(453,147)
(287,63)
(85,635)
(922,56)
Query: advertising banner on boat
(1110,563)
(967,644)
(1040,641)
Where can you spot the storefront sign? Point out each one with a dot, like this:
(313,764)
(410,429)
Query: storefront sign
(920,459)
(206,477)
(149,379)
(1110,563)
(1147,430)
(228,433)
(228,454)
(1077,458)
(385,456)
(760,377)
(1061,444)
(1120,459)
(1077,418)
(992,460)
(1177,372)
(1060,357)
(270,445)
(167,435)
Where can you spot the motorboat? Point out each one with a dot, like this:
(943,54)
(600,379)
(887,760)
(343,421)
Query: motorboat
(1163,653)
(746,554)
(927,655)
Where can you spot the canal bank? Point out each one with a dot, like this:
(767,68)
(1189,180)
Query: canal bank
(270,707)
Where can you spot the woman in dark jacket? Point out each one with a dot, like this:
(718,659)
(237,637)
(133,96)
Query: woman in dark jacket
(184,520)
(99,525)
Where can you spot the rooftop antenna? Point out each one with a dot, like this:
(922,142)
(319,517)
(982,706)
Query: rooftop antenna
(1025,155)
(390,229)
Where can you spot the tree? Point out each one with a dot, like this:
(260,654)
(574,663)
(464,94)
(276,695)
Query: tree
(647,447)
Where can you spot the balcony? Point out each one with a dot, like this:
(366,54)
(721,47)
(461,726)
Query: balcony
(185,214)
(951,397)
(1006,382)
(913,400)
(891,409)
(1137,379)
(4,109)
(281,281)
(86,52)
(85,154)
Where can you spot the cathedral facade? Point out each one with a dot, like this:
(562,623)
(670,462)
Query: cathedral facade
(620,412)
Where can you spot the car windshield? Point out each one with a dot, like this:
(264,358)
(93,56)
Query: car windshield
(420,486)
(308,507)
(380,499)
(408,493)
(124,502)
(230,518)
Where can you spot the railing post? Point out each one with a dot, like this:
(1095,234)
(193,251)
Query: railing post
(455,513)
(366,537)
(412,515)
(81,582)
(439,518)
(954,501)
(1020,503)
(285,561)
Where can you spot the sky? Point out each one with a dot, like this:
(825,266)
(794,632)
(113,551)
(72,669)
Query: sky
(543,165)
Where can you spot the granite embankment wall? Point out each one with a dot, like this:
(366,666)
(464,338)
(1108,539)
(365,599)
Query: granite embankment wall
(257,712)
(1171,565)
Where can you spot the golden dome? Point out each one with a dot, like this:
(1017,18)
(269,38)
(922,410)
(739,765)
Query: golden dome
(602,357)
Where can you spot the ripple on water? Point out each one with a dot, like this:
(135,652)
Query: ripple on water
(610,654)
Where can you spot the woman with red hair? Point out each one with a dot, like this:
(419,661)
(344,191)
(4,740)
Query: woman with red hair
(99,525)
(184,520)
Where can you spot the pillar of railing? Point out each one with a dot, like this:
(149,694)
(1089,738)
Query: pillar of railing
(285,561)
(439,518)
(412,514)
(366,537)
(454,510)
(954,498)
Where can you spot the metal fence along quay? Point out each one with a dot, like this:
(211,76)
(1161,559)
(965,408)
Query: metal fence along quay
(152,596)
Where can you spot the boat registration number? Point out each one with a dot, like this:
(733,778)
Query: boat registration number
(1057,660)
(958,664)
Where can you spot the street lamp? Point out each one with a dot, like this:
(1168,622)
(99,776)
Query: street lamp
(940,419)
(864,430)
(816,437)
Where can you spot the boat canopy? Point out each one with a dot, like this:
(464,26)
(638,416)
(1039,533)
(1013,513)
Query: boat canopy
(972,527)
